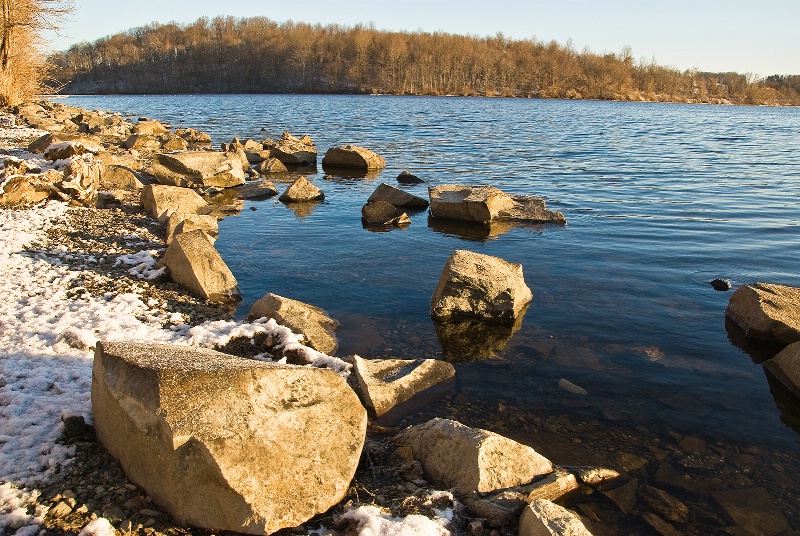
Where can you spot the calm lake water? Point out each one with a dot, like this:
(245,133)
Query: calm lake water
(660,199)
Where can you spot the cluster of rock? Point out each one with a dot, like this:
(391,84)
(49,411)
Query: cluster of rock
(770,313)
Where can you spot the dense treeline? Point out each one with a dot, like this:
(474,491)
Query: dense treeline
(257,55)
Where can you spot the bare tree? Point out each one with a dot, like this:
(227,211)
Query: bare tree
(22,68)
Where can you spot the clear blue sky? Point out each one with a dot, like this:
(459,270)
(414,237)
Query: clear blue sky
(759,37)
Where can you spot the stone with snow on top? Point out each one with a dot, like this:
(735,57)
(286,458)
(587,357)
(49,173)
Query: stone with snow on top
(270,165)
(484,204)
(293,151)
(786,367)
(193,136)
(261,189)
(90,143)
(397,197)
(545,518)
(118,177)
(472,459)
(767,311)
(65,149)
(353,157)
(310,321)
(383,213)
(161,200)
(226,443)
(82,179)
(476,285)
(194,264)
(384,383)
(29,189)
(301,191)
(153,128)
(406,177)
(198,168)
(180,222)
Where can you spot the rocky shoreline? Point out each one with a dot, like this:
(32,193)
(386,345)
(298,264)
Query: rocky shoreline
(723,488)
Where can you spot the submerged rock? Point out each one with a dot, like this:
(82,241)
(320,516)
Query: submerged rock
(384,383)
(484,204)
(312,322)
(261,189)
(396,197)
(471,459)
(477,285)
(766,311)
(353,157)
(473,339)
(226,443)
(195,264)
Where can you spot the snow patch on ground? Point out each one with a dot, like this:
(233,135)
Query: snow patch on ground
(143,263)
(373,521)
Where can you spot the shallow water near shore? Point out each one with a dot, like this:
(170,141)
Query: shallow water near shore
(660,199)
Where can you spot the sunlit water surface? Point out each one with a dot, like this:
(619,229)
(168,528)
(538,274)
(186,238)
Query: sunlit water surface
(660,199)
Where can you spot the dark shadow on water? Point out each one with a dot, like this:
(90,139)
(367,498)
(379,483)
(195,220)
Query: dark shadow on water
(758,350)
(475,232)
(383,228)
(464,341)
(787,402)
(347,175)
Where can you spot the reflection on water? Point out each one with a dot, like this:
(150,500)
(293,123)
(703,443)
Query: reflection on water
(304,209)
(339,174)
(471,340)
(469,230)
(787,402)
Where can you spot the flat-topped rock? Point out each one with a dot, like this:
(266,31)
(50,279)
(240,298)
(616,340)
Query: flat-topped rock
(477,285)
(195,264)
(396,197)
(226,443)
(310,321)
(161,200)
(484,204)
(384,383)
(198,168)
(767,311)
(353,157)
(471,459)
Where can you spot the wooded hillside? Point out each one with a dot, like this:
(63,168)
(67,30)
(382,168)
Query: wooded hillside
(257,55)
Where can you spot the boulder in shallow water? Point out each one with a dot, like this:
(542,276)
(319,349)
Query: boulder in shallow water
(301,191)
(383,213)
(484,204)
(396,197)
(312,322)
(270,165)
(766,311)
(261,189)
(226,443)
(406,177)
(471,459)
(786,367)
(353,157)
(384,383)
(161,200)
(476,285)
(195,264)
(293,151)
(198,168)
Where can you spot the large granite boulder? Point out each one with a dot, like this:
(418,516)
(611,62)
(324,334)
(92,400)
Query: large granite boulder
(23,190)
(161,200)
(484,204)
(786,367)
(544,518)
(384,383)
(174,143)
(67,149)
(40,145)
(312,322)
(117,177)
(153,128)
(195,264)
(396,197)
(82,179)
(301,191)
(198,168)
(292,150)
(471,459)
(270,165)
(225,443)
(766,311)
(181,222)
(383,213)
(353,157)
(143,142)
(476,285)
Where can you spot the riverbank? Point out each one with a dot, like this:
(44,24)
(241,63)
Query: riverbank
(67,241)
